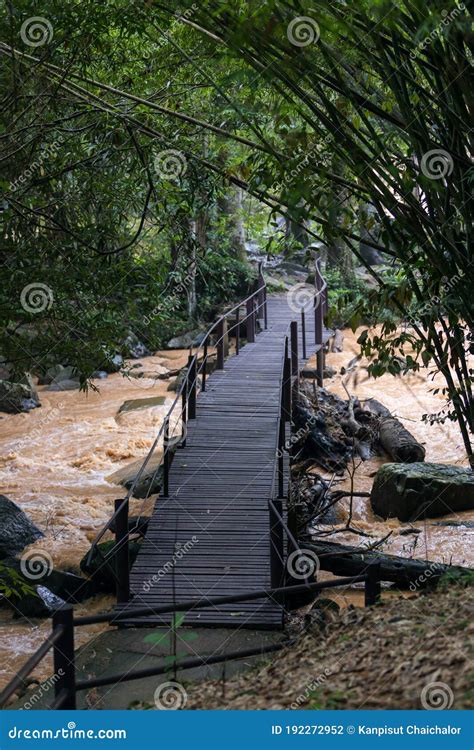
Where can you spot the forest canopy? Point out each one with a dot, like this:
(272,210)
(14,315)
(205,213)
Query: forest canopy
(143,145)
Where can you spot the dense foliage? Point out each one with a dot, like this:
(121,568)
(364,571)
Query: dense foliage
(353,120)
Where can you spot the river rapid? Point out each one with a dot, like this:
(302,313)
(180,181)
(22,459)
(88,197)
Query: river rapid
(55,463)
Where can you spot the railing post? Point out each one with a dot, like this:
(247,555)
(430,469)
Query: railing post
(64,658)
(303,332)
(287,384)
(276,544)
(319,306)
(204,362)
(237,332)
(373,589)
(122,560)
(265,309)
(281,457)
(184,411)
(220,344)
(191,387)
(294,348)
(261,293)
(250,316)
(166,456)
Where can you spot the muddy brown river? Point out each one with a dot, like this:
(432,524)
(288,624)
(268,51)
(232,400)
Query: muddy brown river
(55,463)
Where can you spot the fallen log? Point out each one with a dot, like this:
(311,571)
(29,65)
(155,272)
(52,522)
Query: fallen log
(345,560)
(401,445)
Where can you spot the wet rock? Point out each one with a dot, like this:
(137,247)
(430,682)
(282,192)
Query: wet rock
(186,340)
(134,348)
(421,490)
(292,268)
(141,403)
(56,374)
(175,385)
(68,586)
(16,529)
(64,385)
(100,564)
(113,363)
(158,373)
(42,603)
(150,480)
(17,397)
(99,375)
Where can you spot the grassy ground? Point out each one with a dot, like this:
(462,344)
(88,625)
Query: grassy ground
(405,654)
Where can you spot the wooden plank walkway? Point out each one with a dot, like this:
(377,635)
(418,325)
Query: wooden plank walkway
(211,536)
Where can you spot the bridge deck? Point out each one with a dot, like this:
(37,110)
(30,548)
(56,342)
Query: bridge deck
(211,536)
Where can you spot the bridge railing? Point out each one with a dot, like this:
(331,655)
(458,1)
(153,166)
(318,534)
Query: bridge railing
(173,431)
(283,534)
(62,638)
(184,409)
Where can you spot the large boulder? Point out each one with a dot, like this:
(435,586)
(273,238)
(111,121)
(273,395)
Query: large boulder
(64,385)
(40,603)
(16,529)
(421,490)
(192,338)
(134,348)
(68,586)
(56,374)
(17,397)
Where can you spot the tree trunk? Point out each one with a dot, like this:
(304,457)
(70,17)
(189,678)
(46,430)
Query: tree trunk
(395,439)
(345,560)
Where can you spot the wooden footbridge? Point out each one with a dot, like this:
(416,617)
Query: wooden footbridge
(219,544)
(218,527)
